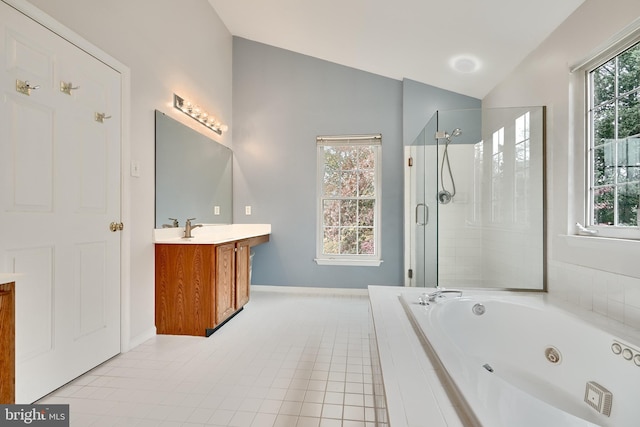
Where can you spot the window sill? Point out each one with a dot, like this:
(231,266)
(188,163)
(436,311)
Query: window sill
(349,262)
(600,242)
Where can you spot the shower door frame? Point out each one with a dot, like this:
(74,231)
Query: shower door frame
(420,217)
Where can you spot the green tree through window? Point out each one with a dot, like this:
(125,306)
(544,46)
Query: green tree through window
(615,140)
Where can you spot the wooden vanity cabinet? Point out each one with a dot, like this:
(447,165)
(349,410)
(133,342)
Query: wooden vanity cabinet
(243,252)
(7,343)
(201,286)
(225,282)
(184,289)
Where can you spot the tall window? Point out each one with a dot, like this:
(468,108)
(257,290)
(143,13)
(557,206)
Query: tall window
(349,200)
(614,141)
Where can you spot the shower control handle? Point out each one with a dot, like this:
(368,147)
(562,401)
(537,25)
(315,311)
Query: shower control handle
(425,216)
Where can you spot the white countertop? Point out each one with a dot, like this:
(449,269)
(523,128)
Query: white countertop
(9,277)
(210,234)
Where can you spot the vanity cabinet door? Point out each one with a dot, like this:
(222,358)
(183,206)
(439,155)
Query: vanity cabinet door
(7,344)
(184,289)
(242,273)
(225,281)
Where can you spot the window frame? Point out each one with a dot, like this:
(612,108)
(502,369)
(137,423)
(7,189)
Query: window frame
(321,258)
(614,50)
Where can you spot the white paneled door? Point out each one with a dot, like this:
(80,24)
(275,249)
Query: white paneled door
(59,191)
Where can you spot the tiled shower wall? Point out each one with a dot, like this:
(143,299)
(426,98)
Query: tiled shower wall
(459,241)
(612,295)
(477,253)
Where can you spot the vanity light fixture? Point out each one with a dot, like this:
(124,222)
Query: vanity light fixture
(195,112)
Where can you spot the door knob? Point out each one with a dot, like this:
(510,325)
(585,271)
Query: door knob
(116,226)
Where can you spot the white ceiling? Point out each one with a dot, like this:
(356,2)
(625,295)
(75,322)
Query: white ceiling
(415,39)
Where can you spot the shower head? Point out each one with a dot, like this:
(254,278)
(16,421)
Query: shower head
(445,135)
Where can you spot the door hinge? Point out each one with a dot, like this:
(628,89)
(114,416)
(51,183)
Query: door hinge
(410,273)
(410,162)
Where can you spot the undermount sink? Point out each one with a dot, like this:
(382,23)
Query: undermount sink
(210,233)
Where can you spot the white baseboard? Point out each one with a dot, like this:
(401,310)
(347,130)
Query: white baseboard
(139,339)
(309,290)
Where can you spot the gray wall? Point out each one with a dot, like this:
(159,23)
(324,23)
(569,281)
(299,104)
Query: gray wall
(420,103)
(281,102)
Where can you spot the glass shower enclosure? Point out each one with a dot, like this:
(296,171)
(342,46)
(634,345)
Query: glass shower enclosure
(475,200)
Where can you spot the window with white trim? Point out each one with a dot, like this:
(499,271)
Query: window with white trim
(614,144)
(348,183)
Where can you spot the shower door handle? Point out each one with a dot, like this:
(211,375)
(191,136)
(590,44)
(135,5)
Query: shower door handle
(425,216)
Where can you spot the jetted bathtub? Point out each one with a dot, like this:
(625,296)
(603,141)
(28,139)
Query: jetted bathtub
(520,360)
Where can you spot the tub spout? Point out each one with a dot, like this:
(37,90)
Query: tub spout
(431,297)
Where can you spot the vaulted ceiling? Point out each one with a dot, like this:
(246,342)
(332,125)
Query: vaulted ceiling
(466,46)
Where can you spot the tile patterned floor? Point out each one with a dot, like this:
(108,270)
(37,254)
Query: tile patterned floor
(287,360)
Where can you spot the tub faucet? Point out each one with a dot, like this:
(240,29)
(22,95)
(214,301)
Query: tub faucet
(188,227)
(431,297)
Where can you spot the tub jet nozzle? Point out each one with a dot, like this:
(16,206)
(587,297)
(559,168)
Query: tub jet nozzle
(552,354)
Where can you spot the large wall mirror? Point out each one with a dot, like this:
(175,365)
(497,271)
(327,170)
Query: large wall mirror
(193,175)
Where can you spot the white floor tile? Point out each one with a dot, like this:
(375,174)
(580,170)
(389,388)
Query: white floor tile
(328,422)
(331,411)
(309,409)
(353,413)
(287,360)
(264,420)
(308,422)
(221,417)
(242,419)
(285,421)
(334,398)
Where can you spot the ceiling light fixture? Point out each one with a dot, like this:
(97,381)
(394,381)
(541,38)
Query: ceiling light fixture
(201,116)
(465,64)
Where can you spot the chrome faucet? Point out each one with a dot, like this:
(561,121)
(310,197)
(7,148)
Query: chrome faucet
(188,227)
(174,224)
(425,298)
